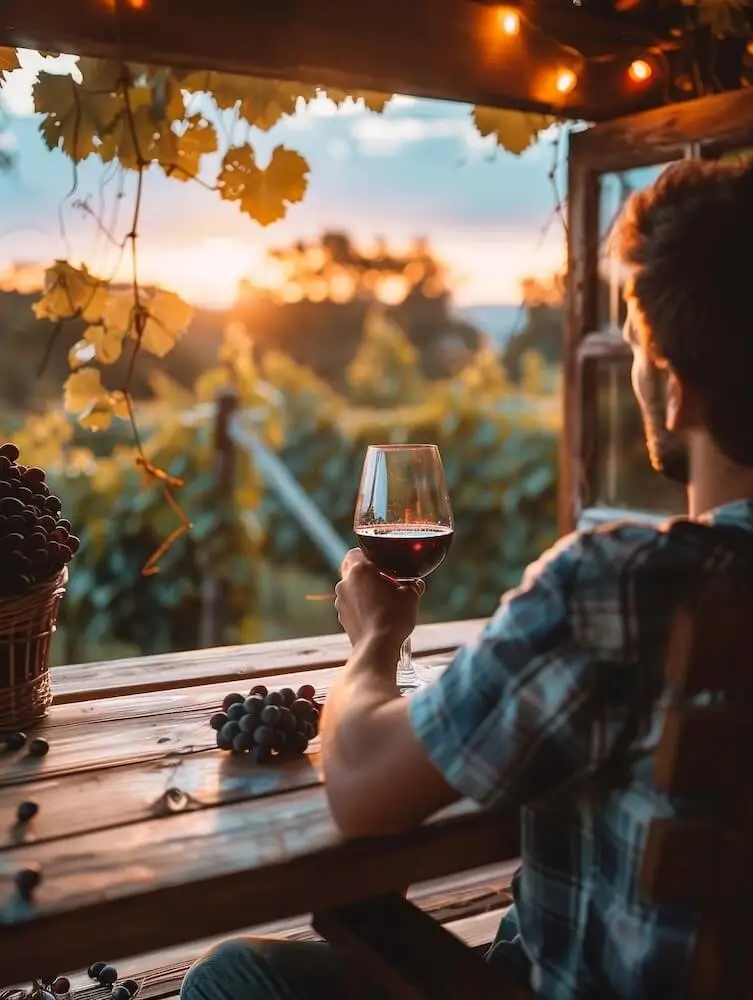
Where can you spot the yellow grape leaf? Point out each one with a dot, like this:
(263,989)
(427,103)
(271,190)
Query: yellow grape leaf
(264,195)
(106,341)
(8,61)
(167,318)
(73,117)
(71,292)
(118,314)
(373,100)
(102,75)
(261,102)
(179,153)
(85,395)
(131,138)
(515,131)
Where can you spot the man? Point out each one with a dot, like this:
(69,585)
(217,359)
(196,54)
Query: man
(555,709)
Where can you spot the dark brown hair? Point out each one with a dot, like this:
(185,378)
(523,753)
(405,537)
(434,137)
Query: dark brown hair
(689,242)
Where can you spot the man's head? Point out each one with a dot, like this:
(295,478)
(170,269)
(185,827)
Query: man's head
(687,242)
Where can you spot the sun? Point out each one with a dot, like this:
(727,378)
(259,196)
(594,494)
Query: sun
(207,273)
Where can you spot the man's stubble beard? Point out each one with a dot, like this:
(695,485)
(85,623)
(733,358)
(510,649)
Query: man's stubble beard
(667,454)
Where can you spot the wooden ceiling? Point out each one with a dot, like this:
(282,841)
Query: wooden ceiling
(450,49)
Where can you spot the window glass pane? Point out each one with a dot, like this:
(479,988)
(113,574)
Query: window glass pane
(620,473)
(614,190)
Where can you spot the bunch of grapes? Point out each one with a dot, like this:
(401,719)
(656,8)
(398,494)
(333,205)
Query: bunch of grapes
(35,541)
(268,724)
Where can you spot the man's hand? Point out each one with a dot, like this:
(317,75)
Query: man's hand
(369,606)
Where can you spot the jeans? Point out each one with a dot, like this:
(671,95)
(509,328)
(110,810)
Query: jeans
(270,969)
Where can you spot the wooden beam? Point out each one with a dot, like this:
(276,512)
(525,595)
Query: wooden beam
(453,49)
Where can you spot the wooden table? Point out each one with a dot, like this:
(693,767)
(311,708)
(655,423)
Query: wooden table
(148,836)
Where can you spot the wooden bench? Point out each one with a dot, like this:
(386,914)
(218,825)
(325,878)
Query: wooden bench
(122,735)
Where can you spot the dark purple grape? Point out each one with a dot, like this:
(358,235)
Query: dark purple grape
(27,811)
(271,715)
(11,505)
(65,523)
(47,523)
(224,744)
(288,721)
(235,712)
(297,743)
(307,691)
(280,740)
(24,582)
(53,550)
(27,879)
(131,985)
(5,464)
(13,475)
(74,544)
(261,755)
(22,469)
(19,563)
(94,970)
(13,541)
(61,986)
(10,451)
(229,731)
(288,696)
(41,490)
(40,561)
(309,730)
(24,494)
(39,747)
(253,705)
(259,689)
(53,504)
(264,736)
(248,723)
(119,993)
(15,524)
(15,741)
(232,699)
(108,975)
(218,720)
(273,698)
(34,475)
(302,709)
(37,539)
(59,534)
(242,742)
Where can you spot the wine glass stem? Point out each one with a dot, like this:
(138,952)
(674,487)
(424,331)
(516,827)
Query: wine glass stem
(406,675)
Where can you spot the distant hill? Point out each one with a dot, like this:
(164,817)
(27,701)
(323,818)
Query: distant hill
(497,322)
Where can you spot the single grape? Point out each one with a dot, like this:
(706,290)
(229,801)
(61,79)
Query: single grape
(95,969)
(5,464)
(261,755)
(232,699)
(280,740)
(310,731)
(287,721)
(61,986)
(274,698)
(59,534)
(74,543)
(27,811)
(248,723)
(253,705)
(53,504)
(235,712)
(218,720)
(14,741)
(24,494)
(47,523)
(288,696)
(37,539)
(131,985)
(264,736)
(15,524)
(271,715)
(222,743)
(229,731)
(242,742)
(13,541)
(39,747)
(302,710)
(259,689)
(13,475)
(297,743)
(27,879)
(22,469)
(108,975)
(119,992)
(41,490)
(307,691)
(65,523)
(34,475)
(10,451)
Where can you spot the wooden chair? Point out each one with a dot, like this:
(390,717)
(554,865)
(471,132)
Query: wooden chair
(702,860)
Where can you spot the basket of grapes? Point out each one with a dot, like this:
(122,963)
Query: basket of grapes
(36,545)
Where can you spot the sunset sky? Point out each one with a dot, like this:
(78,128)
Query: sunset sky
(418,169)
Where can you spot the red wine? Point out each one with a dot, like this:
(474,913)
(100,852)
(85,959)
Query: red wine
(405,551)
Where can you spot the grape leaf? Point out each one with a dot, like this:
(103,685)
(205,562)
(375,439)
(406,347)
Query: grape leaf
(168,316)
(8,61)
(71,292)
(179,153)
(106,341)
(131,138)
(85,395)
(261,102)
(264,195)
(515,131)
(73,118)
(102,75)
(373,100)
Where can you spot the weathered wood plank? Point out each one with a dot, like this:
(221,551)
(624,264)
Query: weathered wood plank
(227,664)
(462,54)
(148,886)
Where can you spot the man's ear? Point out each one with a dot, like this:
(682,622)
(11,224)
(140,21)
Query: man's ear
(682,404)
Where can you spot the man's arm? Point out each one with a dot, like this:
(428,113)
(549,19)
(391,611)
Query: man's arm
(506,721)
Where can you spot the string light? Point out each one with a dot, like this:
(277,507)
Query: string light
(640,71)
(509,21)
(566,81)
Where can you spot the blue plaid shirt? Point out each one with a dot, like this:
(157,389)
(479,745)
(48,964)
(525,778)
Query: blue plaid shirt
(554,710)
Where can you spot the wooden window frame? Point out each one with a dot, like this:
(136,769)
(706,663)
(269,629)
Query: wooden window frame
(709,126)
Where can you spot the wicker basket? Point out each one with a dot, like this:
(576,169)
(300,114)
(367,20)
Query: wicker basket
(27,624)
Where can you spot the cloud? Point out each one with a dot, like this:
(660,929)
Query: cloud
(389,134)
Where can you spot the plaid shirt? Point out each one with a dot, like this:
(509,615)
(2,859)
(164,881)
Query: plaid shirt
(555,710)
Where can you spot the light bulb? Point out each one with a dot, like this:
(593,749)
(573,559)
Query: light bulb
(566,81)
(640,71)
(509,21)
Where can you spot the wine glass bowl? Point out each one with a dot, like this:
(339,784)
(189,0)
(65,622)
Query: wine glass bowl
(403,517)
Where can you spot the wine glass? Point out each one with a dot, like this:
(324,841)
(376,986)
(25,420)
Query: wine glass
(403,520)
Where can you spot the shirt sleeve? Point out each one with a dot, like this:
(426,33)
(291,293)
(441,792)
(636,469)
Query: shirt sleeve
(510,719)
